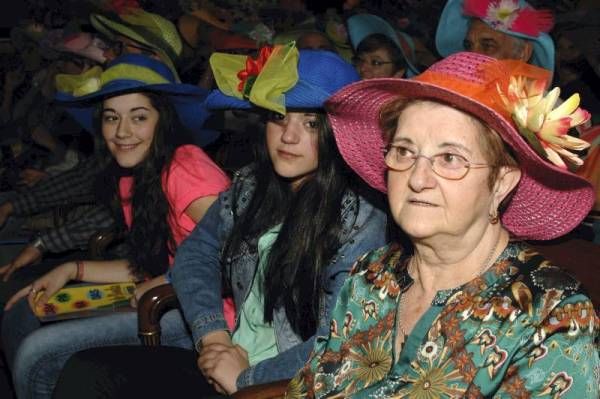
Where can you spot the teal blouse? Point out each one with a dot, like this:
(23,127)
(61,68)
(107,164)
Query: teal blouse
(522,329)
(253,334)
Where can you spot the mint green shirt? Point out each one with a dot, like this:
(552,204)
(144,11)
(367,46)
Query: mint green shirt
(252,333)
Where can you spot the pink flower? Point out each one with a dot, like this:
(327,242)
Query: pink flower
(542,125)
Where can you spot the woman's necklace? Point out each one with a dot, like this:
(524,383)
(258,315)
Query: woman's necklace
(401,305)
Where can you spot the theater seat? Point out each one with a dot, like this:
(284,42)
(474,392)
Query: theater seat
(579,257)
(154,303)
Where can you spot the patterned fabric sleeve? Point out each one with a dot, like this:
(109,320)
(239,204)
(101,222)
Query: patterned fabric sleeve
(303,384)
(76,233)
(561,360)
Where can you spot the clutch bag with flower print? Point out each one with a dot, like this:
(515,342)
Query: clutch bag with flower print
(86,300)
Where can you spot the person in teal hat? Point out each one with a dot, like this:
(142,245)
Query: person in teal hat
(502,29)
(380,51)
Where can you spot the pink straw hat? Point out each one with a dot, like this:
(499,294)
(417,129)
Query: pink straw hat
(548,202)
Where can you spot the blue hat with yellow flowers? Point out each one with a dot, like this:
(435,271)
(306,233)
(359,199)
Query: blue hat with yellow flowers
(280,77)
(133,73)
(513,17)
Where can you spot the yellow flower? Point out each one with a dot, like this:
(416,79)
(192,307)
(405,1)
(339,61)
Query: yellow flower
(372,361)
(543,126)
(295,389)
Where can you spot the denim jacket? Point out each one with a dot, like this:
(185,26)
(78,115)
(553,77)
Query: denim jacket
(198,268)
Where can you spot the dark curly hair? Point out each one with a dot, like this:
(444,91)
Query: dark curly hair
(149,241)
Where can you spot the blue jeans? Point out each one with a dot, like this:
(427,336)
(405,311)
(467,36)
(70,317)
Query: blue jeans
(37,353)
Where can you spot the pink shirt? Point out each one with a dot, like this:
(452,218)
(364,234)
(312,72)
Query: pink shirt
(192,175)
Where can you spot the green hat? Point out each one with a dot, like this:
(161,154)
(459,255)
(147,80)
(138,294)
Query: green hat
(143,27)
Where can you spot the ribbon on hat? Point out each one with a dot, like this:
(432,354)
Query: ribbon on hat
(508,15)
(264,80)
(95,79)
(248,76)
(79,85)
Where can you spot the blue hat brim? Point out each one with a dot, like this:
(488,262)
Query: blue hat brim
(454,25)
(303,95)
(187,100)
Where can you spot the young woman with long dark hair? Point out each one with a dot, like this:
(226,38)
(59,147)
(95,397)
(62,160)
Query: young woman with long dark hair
(281,240)
(158,191)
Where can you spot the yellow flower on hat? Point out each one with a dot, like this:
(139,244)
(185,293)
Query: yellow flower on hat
(541,124)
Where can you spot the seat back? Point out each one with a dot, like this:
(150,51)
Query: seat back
(579,257)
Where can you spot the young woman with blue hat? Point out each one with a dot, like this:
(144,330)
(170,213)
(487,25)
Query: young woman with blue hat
(281,240)
(155,188)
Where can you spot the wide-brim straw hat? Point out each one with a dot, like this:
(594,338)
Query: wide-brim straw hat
(134,73)
(548,201)
(148,29)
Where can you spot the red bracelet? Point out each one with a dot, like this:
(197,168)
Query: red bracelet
(79,275)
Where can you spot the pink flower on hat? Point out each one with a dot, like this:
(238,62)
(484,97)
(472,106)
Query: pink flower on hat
(542,125)
(508,15)
(502,15)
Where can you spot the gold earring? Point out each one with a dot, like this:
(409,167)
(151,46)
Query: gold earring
(493,217)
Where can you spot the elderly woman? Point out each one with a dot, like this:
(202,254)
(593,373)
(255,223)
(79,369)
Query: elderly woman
(468,310)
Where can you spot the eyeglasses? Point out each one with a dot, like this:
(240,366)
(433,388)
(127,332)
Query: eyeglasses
(358,61)
(120,48)
(446,165)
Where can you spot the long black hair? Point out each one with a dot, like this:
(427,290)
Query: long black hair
(308,239)
(150,240)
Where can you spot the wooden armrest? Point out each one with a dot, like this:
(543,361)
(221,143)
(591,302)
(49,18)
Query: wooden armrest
(151,306)
(272,390)
(98,242)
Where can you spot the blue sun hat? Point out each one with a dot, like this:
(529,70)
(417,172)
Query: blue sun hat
(362,25)
(133,73)
(513,17)
(280,77)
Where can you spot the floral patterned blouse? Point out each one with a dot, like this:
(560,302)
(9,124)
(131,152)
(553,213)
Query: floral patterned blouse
(523,329)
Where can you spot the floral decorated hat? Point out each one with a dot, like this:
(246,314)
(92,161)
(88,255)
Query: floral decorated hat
(506,95)
(513,17)
(281,77)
